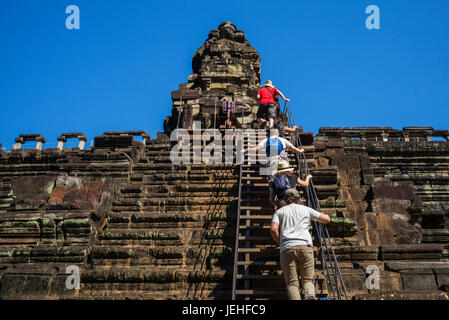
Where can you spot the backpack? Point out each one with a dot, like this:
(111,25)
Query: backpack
(276,143)
(280,184)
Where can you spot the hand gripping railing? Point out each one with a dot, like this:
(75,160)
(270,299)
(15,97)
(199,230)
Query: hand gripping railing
(327,251)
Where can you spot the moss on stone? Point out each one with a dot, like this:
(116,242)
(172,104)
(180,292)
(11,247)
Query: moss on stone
(49,187)
(6,252)
(340,203)
(22,207)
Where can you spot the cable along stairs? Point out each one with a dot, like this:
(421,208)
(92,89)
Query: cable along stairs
(257,273)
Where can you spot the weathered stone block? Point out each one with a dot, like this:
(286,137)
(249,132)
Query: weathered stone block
(419,280)
(442,275)
(109,141)
(404,295)
(410,251)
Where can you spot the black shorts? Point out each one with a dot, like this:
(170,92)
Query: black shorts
(266,111)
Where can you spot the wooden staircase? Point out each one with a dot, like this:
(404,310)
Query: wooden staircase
(258,273)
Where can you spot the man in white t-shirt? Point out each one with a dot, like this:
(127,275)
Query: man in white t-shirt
(276,149)
(290,229)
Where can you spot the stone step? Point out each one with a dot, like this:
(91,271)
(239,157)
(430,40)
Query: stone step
(435,236)
(404,295)
(161,292)
(43,254)
(415,265)
(206,207)
(196,192)
(147,204)
(270,265)
(199,177)
(132,218)
(411,252)
(257,227)
(266,250)
(198,156)
(6,194)
(272,293)
(191,168)
(257,217)
(141,234)
(6,202)
(5,187)
(149,275)
(161,186)
(166,252)
(316,277)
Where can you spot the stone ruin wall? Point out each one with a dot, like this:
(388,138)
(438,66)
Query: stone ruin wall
(395,182)
(136,225)
(140,227)
(225,67)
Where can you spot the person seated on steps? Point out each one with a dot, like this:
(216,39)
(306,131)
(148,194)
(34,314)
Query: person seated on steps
(267,105)
(290,230)
(285,179)
(275,148)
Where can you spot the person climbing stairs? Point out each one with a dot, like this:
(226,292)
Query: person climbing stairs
(257,272)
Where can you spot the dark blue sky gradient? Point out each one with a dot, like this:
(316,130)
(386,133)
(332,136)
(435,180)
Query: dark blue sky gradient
(117,71)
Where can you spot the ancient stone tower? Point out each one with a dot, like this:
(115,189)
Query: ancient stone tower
(225,67)
(137,226)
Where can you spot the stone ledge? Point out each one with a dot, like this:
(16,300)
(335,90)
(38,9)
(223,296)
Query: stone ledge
(404,295)
(412,265)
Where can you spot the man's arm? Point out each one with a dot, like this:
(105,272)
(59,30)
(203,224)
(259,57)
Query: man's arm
(275,232)
(304,183)
(324,218)
(282,96)
(289,129)
(256,148)
(296,150)
(319,216)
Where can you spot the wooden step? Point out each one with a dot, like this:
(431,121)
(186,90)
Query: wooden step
(252,238)
(251,208)
(266,249)
(272,264)
(256,217)
(259,178)
(264,227)
(272,277)
(259,250)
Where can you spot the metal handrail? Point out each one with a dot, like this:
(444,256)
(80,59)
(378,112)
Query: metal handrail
(314,203)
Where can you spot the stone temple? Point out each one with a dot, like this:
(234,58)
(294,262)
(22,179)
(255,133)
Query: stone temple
(137,226)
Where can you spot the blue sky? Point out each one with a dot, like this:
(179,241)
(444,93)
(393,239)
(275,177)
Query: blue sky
(117,71)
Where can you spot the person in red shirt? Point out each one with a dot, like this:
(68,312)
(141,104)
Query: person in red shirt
(267,104)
